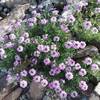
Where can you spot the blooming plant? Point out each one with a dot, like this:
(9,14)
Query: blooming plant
(41,49)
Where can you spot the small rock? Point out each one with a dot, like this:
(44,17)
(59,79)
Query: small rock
(88,51)
(46,98)
(97,89)
(94,97)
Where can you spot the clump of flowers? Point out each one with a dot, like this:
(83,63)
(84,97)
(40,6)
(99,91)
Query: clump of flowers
(44,52)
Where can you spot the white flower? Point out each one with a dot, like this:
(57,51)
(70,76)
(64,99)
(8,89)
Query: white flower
(23,84)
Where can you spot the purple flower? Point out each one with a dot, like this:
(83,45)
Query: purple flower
(20,49)
(56,84)
(62,66)
(87,25)
(46,48)
(94,67)
(68,44)
(68,69)
(50,85)
(17,57)
(25,34)
(64,28)
(37,53)
(12,36)
(63,94)
(74,94)
(27,40)
(34,61)
(21,39)
(57,70)
(77,66)
(44,82)
(94,30)
(82,44)
(45,36)
(76,44)
(40,47)
(44,21)
(87,61)
(47,61)
(53,19)
(71,18)
(55,54)
(37,78)
(24,73)
(32,72)
(23,83)
(16,63)
(83,85)
(82,72)
(55,12)
(56,38)
(69,75)
(97,10)
(70,62)
(2,51)
(58,90)
(52,72)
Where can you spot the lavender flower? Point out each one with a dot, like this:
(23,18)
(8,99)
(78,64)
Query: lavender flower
(68,44)
(40,47)
(32,72)
(12,36)
(71,18)
(74,94)
(70,62)
(94,30)
(20,49)
(45,36)
(47,61)
(82,72)
(21,39)
(69,75)
(44,21)
(94,67)
(64,28)
(24,73)
(55,12)
(88,61)
(87,25)
(63,94)
(62,66)
(83,85)
(77,66)
(37,78)
(55,54)
(37,53)
(2,51)
(23,83)
(53,19)
(82,44)
(56,38)
(44,82)
(46,48)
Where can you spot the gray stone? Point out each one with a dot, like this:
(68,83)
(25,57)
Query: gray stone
(88,51)
(94,97)
(36,91)
(46,98)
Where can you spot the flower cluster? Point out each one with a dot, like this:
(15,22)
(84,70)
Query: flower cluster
(44,52)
